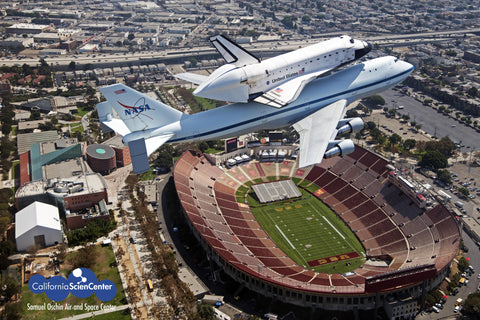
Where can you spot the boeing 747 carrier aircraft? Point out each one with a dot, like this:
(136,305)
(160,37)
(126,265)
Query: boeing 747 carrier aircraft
(276,81)
(316,114)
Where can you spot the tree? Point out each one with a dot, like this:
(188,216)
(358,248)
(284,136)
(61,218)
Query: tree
(131,181)
(433,159)
(131,36)
(409,144)
(464,191)
(9,287)
(12,311)
(471,306)
(352,113)
(395,139)
(375,101)
(444,146)
(370,125)
(205,311)
(463,264)
(288,21)
(472,92)
(72,65)
(203,146)
(444,176)
(6,249)
(85,257)
(165,156)
(6,129)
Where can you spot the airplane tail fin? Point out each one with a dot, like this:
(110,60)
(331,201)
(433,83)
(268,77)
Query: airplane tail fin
(137,110)
(232,52)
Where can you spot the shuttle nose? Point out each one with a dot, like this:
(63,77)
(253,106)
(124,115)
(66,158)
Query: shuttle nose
(361,48)
(226,87)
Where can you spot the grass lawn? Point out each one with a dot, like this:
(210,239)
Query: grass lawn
(15,169)
(81,112)
(76,127)
(307,230)
(102,269)
(147,176)
(206,104)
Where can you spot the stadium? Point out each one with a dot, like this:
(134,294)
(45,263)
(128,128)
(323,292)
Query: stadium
(376,244)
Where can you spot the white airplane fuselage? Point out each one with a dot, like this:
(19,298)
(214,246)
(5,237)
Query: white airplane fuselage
(243,83)
(353,83)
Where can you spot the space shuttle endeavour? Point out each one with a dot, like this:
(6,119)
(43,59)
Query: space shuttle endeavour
(276,81)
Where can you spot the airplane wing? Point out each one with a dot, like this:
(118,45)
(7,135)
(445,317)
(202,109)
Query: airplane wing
(232,52)
(288,91)
(194,78)
(316,130)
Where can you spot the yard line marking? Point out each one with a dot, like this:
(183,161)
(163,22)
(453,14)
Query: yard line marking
(285,237)
(331,225)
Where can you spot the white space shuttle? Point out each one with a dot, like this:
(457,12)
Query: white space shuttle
(316,114)
(276,81)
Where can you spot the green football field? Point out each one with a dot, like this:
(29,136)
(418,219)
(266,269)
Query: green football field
(310,233)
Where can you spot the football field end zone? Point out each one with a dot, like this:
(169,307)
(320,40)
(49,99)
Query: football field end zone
(332,259)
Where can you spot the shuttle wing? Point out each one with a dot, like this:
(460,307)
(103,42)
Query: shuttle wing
(194,78)
(288,91)
(317,130)
(232,52)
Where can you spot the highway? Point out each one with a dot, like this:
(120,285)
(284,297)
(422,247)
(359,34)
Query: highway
(262,49)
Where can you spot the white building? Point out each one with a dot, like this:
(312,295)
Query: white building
(37,224)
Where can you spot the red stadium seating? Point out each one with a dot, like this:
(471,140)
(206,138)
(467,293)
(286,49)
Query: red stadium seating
(355,188)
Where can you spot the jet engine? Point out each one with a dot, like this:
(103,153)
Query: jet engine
(339,148)
(349,125)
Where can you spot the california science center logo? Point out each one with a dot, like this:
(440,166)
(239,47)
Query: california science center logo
(82,283)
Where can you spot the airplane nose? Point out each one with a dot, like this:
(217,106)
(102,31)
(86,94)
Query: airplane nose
(406,66)
(363,49)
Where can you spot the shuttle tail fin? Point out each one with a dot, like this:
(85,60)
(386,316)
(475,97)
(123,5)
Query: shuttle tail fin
(232,52)
(137,110)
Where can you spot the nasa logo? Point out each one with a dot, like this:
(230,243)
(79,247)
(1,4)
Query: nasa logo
(81,283)
(129,110)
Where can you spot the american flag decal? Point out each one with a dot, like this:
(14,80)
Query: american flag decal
(120,91)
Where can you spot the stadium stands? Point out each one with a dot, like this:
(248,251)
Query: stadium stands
(355,187)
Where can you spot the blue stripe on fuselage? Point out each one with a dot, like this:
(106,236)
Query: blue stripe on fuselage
(286,109)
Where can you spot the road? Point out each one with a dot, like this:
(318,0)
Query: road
(261,48)
(432,122)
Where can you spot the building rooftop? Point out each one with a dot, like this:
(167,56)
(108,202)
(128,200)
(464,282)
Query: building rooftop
(91,183)
(36,214)
(65,169)
(26,140)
